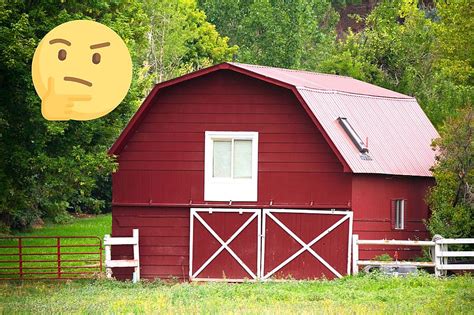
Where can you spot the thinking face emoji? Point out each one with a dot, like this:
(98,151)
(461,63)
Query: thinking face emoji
(81,70)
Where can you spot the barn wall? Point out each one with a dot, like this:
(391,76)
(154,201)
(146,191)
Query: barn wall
(163,241)
(163,161)
(372,197)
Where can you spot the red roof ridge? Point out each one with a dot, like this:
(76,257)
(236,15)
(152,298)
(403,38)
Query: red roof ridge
(332,91)
(316,80)
(293,70)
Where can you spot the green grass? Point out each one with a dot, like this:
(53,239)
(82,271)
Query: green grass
(377,294)
(95,226)
(356,295)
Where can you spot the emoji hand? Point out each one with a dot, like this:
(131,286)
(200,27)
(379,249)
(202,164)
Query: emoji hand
(57,106)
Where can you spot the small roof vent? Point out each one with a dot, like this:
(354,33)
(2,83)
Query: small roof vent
(361,146)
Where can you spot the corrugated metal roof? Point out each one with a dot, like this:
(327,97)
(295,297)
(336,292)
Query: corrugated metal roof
(398,131)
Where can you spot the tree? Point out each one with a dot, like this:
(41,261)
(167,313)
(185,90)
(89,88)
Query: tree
(414,50)
(182,40)
(48,167)
(289,34)
(452,199)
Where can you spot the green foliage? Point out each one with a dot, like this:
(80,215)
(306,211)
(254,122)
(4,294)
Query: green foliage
(405,48)
(182,40)
(343,3)
(383,257)
(289,34)
(46,167)
(455,46)
(452,199)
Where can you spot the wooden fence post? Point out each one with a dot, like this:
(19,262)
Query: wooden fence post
(108,256)
(437,258)
(355,254)
(136,256)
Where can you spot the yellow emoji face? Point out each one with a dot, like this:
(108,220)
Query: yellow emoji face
(81,70)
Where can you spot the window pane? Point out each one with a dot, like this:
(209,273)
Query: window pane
(399,214)
(222,158)
(243,159)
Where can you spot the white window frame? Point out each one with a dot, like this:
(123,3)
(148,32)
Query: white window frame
(400,224)
(229,189)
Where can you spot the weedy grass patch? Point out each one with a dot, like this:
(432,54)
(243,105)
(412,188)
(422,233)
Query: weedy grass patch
(374,294)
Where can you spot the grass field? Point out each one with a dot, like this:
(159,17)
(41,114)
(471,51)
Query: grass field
(93,226)
(358,295)
(46,257)
(373,294)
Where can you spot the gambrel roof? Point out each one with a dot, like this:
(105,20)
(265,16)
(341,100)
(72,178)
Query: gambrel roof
(392,126)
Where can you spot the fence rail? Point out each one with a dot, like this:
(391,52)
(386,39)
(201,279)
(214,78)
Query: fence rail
(49,257)
(440,255)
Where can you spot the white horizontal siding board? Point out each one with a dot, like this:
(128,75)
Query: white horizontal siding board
(396,242)
(121,263)
(120,241)
(456,254)
(456,241)
(457,267)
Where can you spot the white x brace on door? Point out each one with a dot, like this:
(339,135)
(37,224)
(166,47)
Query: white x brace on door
(230,244)
(342,216)
(240,222)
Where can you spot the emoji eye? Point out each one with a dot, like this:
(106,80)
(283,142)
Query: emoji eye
(96,58)
(62,54)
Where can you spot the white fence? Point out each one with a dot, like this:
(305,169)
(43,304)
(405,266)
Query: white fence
(439,258)
(135,262)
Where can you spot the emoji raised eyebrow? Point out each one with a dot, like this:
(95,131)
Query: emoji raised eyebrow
(106,44)
(60,40)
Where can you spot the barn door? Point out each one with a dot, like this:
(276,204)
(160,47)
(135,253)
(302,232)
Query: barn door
(306,244)
(224,244)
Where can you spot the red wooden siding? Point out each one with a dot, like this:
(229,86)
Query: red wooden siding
(372,197)
(163,161)
(163,240)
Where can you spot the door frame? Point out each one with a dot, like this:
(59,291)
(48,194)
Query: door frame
(261,214)
(347,215)
(194,214)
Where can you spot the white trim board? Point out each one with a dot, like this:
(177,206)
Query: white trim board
(229,189)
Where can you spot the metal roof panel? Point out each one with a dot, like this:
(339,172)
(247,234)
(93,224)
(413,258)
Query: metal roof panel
(398,131)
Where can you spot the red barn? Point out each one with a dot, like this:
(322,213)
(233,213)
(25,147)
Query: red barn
(248,172)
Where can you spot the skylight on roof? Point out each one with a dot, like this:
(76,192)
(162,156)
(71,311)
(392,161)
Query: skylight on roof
(361,146)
